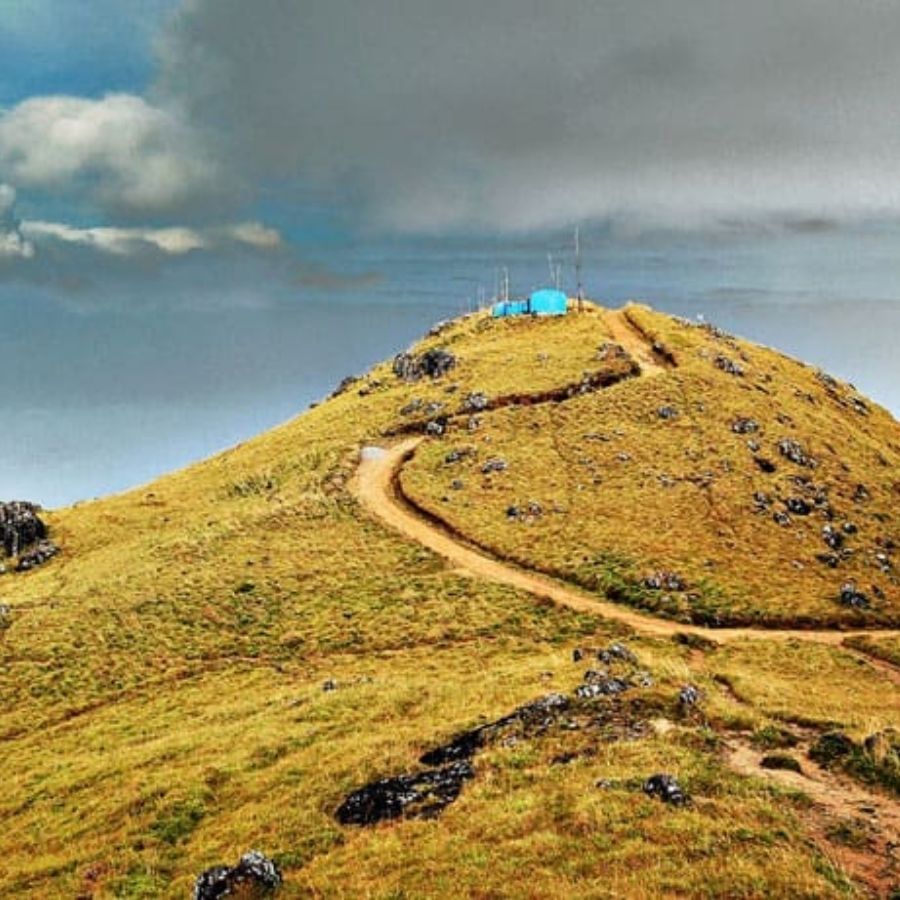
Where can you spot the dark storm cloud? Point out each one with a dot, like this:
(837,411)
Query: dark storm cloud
(517,113)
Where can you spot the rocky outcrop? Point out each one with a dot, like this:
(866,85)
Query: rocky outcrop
(430,364)
(23,535)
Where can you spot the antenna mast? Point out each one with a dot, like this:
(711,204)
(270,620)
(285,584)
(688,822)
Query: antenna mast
(579,291)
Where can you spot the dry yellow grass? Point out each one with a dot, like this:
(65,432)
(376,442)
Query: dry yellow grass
(161,679)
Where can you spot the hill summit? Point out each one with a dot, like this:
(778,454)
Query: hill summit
(576,606)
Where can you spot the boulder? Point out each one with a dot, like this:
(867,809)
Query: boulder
(20,526)
(254,876)
(420,795)
(667,789)
(431,364)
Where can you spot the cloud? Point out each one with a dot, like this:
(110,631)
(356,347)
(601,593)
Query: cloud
(172,241)
(521,114)
(13,245)
(121,153)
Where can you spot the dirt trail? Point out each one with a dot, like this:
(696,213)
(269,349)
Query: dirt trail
(871,860)
(624,332)
(376,487)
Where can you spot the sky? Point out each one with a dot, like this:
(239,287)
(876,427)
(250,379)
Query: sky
(212,209)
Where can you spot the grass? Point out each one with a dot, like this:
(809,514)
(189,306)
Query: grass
(626,493)
(162,678)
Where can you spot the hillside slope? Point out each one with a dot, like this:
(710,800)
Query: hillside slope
(214,661)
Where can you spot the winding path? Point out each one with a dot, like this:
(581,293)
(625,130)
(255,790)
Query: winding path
(376,486)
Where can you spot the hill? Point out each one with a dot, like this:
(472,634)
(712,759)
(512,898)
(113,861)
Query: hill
(216,661)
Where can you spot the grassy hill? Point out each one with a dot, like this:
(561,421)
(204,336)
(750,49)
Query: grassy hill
(163,677)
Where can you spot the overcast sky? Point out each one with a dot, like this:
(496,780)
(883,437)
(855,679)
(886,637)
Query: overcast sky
(160,128)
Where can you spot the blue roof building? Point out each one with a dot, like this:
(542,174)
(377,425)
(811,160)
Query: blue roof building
(545,302)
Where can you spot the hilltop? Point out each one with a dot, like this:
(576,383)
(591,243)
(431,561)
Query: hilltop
(217,661)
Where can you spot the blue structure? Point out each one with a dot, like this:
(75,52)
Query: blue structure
(545,302)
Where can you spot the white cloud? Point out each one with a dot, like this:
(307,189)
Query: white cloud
(172,241)
(13,245)
(120,152)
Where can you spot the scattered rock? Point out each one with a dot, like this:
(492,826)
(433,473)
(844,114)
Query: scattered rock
(852,597)
(761,501)
(781,518)
(664,581)
(531,718)
(849,528)
(37,555)
(689,695)
(793,451)
(254,876)
(413,406)
(617,651)
(729,366)
(832,537)
(667,789)
(667,413)
(608,351)
(744,425)
(798,506)
(494,465)
(430,364)
(436,427)
(419,795)
(599,684)
(475,402)
(345,385)
(459,454)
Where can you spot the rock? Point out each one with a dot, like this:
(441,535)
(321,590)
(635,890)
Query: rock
(861,494)
(729,366)
(761,501)
(38,554)
(532,718)
(781,518)
(830,747)
(345,385)
(20,526)
(798,506)
(254,876)
(616,651)
(475,402)
(609,351)
(852,597)
(513,512)
(329,685)
(744,425)
(473,423)
(413,406)
(689,695)
(601,686)
(765,465)
(494,465)
(430,364)
(667,413)
(436,427)
(458,455)
(577,654)
(664,581)
(849,528)
(793,451)
(832,537)
(420,795)
(667,789)
(457,484)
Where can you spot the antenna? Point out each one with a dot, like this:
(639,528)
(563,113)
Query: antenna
(579,291)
